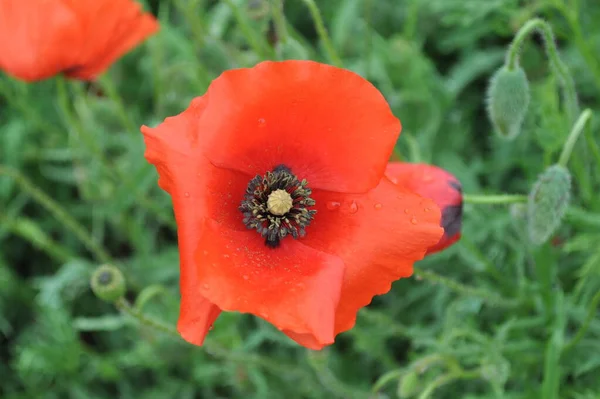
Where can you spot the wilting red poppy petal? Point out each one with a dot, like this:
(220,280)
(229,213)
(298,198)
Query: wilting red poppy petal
(378,235)
(295,287)
(113,27)
(327,124)
(441,186)
(40,39)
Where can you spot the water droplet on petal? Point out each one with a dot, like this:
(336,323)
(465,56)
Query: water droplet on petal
(377,206)
(332,205)
(205,286)
(426,209)
(246,277)
(406,211)
(261,122)
(186,194)
(210,328)
(413,220)
(352,207)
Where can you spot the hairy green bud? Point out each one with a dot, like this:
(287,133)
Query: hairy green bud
(409,385)
(548,202)
(108,283)
(508,99)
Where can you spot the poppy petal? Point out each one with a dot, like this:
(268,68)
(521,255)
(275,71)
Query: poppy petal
(378,235)
(327,124)
(82,38)
(171,148)
(294,287)
(113,27)
(27,50)
(441,186)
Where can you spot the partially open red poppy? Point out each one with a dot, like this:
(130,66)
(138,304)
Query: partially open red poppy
(283,209)
(80,38)
(441,186)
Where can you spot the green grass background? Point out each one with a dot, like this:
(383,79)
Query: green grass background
(492,317)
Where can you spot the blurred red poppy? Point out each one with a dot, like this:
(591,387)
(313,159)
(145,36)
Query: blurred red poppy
(439,185)
(80,38)
(283,209)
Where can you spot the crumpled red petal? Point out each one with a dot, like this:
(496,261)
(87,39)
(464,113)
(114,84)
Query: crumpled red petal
(112,28)
(295,287)
(378,235)
(437,184)
(329,125)
(82,38)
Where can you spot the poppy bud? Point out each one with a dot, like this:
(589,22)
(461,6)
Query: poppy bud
(408,385)
(508,98)
(548,201)
(108,283)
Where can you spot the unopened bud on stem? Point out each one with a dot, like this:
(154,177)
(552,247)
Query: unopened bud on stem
(508,99)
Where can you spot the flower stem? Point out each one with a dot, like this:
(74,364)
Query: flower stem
(494,199)
(586,324)
(214,349)
(322,31)
(557,65)
(257,45)
(279,20)
(58,212)
(573,136)
(492,299)
(125,307)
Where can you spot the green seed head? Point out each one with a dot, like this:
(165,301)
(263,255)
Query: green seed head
(108,283)
(548,202)
(508,99)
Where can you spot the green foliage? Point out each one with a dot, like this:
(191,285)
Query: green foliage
(492,317)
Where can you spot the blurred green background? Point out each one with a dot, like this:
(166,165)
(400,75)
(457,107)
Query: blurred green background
(492,317)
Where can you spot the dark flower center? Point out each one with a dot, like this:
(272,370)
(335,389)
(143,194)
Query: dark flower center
(276,205)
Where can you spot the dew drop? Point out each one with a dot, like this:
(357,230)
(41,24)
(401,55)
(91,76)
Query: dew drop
(352,207)
(205,252)
(406,210)
(377,207)
(332,205)
(426,209)
(246,277)
(186,194)
(261,122)
(210,328)
(205,286)
(413,220)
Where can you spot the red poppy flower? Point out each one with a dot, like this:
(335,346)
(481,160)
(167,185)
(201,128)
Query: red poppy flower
(283,209)
(439,185)
(80,38)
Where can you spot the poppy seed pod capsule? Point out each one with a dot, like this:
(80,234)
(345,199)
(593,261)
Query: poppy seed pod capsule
(108,283)
(508,99)
(548,201)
